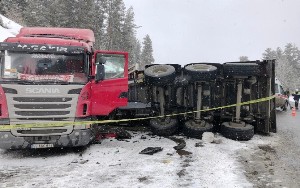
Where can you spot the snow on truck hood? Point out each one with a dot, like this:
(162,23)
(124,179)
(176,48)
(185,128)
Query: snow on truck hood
(8,28)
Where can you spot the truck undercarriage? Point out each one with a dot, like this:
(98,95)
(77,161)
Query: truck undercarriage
(203,97)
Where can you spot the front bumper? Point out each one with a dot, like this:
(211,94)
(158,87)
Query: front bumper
(74,139)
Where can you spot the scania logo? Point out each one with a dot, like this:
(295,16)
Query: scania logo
(42,90)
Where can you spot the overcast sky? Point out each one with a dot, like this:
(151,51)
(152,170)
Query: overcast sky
(189,31)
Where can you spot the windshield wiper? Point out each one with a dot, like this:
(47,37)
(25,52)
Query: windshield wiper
(41,82)
(53,81)
(60,82)
(23,82)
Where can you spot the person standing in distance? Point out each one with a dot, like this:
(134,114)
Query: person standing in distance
(296,96)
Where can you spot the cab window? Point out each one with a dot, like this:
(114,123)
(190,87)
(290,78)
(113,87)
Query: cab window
(113,65)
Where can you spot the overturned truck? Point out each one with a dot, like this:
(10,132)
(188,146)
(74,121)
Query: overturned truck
(233,98)
(56,90)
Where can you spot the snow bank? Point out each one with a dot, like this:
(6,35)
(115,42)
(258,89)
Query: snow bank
(8,28)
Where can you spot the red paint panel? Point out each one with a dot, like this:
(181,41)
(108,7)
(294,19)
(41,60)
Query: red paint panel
(79,34)
(84,98)
(3,104)
(47,41)
(105,95)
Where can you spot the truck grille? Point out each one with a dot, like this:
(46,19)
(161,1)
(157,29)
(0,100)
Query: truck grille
(42,106)
(28,109)
(42,113)
(40,99)
(42,131)
(24,107)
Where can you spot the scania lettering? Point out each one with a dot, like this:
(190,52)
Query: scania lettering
(42,90)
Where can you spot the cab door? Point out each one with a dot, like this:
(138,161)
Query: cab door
(110,92)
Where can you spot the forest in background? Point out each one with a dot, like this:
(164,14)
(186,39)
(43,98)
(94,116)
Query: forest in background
(112,23)
(287,65)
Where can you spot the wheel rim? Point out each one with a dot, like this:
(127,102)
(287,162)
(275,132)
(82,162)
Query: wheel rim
(159,70)
(201,67)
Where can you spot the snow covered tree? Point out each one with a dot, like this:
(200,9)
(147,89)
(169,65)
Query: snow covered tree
(279,53)
(269,54)
(114,25)
(286,73)
(98,23)
(129,42)
(147,52)
(13,9)
(137,53)
(287,64)
(37,13)
(244,58)
(292,54)
(114,28)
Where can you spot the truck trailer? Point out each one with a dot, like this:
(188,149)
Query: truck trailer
(55,75)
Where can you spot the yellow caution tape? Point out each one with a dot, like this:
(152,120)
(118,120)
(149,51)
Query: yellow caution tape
(72,123)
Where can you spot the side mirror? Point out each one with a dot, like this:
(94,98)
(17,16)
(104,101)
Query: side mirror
(100,73)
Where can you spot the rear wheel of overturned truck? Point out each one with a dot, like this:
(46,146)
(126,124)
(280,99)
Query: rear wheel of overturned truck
(164,126)
(237,129)
(195,129)
(200,75)
(158,76)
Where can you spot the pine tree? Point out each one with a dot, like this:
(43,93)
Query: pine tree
(13,9)
(98,23)
(115,21)
(137,54)
(279,53)
(244,58)
(147,52)
(129,36)
(292,54)
(37,13)
(287,64)
(269,54)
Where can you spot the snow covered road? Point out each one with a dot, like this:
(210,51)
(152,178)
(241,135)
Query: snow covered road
(116,163)
(264,161)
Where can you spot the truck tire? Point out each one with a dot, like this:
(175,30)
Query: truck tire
(164,126)
(194,129)
(201,72)
(241,133)
(241,69)
(159,74)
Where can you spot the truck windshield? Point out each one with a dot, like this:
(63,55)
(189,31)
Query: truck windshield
(41,67)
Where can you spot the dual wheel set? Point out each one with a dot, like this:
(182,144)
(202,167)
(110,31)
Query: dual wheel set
(164,79)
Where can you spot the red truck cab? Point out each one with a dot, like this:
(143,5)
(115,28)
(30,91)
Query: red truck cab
(55,75)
